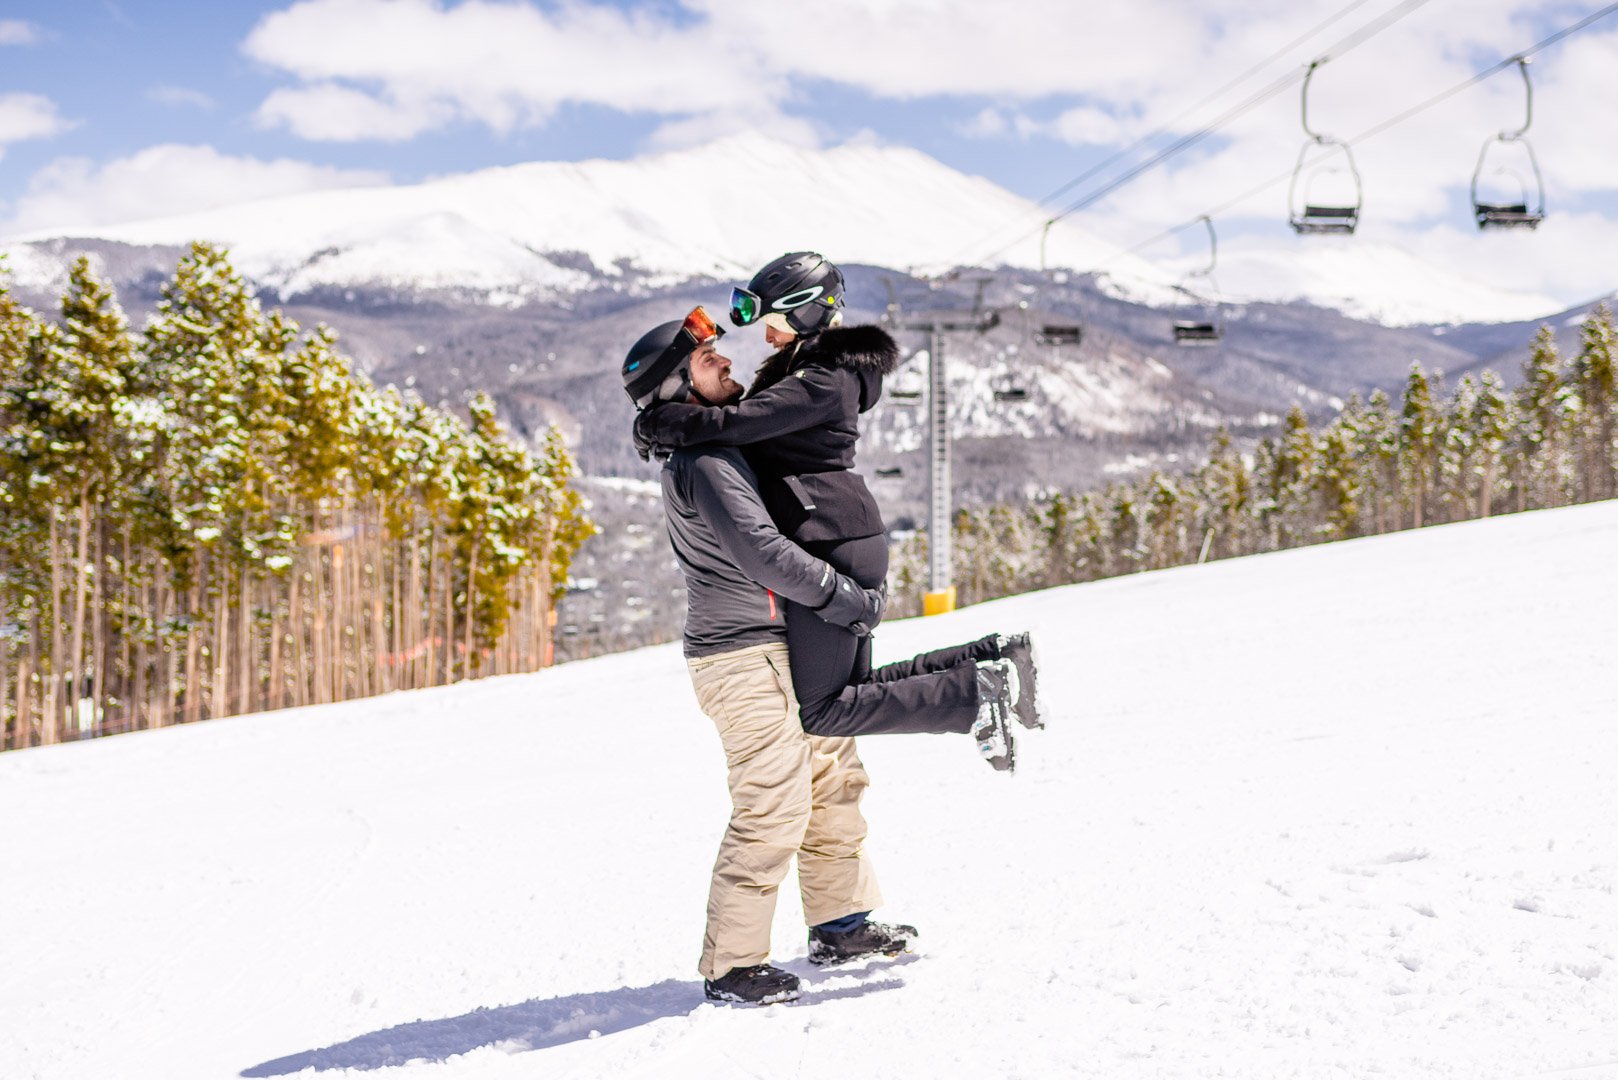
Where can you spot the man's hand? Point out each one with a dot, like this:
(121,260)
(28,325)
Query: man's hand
(645,445)
(851,606)
(660,428)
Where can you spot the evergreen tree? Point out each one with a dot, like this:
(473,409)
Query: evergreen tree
(1291,481)
(1337,480)
(1418,443)
(1379,445)
(1228,488)
(1595,379)
(1457,452)
(1540,469)
(1491,423)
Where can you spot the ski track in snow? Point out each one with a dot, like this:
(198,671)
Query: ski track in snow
(1348,811)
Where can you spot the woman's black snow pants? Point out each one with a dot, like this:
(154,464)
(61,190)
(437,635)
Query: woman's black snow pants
(838,693)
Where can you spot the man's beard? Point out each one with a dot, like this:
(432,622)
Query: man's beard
(730,392)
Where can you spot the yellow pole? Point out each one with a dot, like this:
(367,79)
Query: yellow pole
(938,603)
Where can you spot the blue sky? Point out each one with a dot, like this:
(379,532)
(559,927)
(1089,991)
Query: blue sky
(118,110)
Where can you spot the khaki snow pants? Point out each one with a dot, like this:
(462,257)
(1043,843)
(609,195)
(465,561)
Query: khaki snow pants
(791,794)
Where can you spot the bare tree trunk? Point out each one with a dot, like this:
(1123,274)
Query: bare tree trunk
(410,618)
(301,667)
(81,596)
(193,695)
(98,635)
(50,719)
(246,651)
(6,738)
(449,614)
(318,636)
(379,640)
(274,693)
(161,712)
(396,623)
(139,716)
(22,734)
(430,662)
(126,641)
(545,612)
(219,696)
(471,599)
(339,611)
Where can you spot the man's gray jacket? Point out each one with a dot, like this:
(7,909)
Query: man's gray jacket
(736,563)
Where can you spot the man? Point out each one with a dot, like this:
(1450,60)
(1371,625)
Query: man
(798,427)
(793,794)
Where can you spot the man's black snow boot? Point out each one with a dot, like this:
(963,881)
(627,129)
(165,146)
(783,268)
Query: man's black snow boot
(867,939)
(997,698)
(1019,649)
(762,984)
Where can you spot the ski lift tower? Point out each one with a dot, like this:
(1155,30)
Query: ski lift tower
(940,595)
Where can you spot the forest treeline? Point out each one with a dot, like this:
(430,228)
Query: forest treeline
(1380,465)
(217,514)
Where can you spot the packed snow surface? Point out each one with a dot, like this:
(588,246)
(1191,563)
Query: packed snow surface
(1342,812)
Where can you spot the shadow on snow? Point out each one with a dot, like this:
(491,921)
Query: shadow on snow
(539,1025)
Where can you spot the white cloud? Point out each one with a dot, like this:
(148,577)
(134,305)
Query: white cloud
(989,123)
(502,65)
(328,112)
(73,193)
(1123,70)
(17,32)
(180,97)
(28,116)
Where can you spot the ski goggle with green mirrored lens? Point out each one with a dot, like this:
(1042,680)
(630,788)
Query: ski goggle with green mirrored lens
(745,306)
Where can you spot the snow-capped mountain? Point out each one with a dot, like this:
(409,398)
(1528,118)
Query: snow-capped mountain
(546,229)
(1345,811)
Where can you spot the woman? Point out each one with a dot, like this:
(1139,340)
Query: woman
(799,424)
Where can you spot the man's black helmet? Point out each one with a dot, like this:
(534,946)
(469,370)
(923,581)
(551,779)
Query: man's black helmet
(657,367)
(802,285)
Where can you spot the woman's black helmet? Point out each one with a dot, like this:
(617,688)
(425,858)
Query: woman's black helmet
(802,285)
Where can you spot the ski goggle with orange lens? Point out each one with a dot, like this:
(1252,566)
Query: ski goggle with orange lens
(699,327)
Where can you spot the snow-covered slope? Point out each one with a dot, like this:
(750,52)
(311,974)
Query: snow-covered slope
(723,209)
(1341,812)
(1378,282)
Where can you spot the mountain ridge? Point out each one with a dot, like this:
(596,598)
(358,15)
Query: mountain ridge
(542,231)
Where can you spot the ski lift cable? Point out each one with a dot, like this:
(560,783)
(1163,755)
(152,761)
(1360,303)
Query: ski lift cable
(1285,82)
(1169,125)
(1377,129)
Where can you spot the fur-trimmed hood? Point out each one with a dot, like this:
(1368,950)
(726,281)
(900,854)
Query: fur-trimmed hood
(868,351)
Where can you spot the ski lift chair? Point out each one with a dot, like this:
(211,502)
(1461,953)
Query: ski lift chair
(891,472)
(1187,332)
(1512,215)
(1052,334)
(1060,334)
(908,391)
(1203,327)
(1308,217)
(1007,390)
